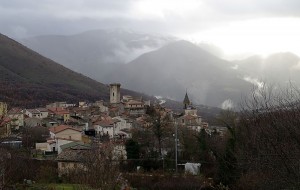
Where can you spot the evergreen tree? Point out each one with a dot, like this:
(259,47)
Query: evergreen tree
(133,149)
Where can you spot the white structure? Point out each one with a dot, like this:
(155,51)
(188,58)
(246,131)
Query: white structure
(122,127)
(192,168)
(64,134)
(116,127)
(105,128)
(115,96)
(122,123)
(83,104)
(37,113)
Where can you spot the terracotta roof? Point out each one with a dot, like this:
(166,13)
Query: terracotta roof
(59,110)
(114,109)
(104,123)
(60,128)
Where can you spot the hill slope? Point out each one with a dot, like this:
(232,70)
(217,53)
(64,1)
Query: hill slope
(29,79)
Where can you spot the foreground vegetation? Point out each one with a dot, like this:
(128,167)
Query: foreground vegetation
(51,186)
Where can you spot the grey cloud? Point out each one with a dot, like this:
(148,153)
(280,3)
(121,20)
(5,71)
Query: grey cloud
(254,8)
(32,17)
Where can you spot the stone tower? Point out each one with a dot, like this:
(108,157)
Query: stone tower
(115,96)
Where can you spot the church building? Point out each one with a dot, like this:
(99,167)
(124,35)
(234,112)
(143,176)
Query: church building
(190,117)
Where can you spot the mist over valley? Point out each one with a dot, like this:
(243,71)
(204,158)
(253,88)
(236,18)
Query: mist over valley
(166,65)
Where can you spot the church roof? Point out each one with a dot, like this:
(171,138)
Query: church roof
(186,99)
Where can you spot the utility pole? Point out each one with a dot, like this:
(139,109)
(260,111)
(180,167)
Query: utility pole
(176,147)
(114,131)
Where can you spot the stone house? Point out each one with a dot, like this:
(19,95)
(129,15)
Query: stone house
(17,118)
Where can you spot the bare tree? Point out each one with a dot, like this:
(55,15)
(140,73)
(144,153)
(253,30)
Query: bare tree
(268,139)
(97,167)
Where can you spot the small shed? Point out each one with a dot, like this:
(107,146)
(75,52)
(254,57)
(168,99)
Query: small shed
(192,168)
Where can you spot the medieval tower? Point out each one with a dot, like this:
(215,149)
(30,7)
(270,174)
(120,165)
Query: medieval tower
(115,96)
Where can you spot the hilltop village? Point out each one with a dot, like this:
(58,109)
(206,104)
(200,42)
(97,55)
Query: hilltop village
(65,132)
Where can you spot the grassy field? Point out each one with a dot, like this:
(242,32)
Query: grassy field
(56,187)
(63,186)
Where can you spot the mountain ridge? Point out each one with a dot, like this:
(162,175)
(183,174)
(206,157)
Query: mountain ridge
(179,66)
(97,52)
(29,79)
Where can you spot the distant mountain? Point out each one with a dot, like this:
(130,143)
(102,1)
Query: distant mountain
(181,65)
(29,79)
(96,53)
(277,69)
(162,65)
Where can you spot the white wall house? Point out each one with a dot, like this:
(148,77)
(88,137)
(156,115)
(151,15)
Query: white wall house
(64,134)
(122,127)
(122,123)
(37,113)
(43,112)
(105,129)
(116,127)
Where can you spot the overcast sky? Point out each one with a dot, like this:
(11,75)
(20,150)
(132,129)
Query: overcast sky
(237,26)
